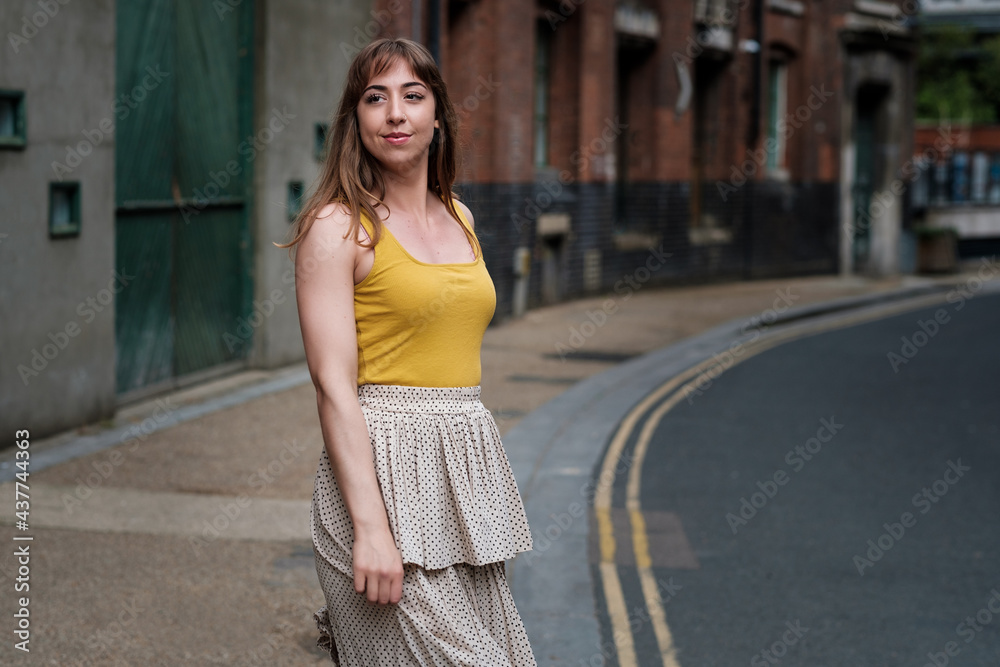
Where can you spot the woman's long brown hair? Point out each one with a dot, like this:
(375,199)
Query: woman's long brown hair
(350,175)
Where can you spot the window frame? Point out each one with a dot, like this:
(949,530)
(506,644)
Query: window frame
(295,196)
(777,111)
(71,228)
(321,134)
(541,134)
(19,138)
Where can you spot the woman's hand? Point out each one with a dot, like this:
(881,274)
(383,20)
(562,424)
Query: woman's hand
(378,566)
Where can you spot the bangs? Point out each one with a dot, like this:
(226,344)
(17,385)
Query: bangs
(386,54)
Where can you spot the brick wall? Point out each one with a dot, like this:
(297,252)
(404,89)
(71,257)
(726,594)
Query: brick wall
(769,227)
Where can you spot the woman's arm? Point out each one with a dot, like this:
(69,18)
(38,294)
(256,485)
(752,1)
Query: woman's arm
(324,288)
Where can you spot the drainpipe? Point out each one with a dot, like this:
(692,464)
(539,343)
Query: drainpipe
(758,75)
(434,34)
(753,133)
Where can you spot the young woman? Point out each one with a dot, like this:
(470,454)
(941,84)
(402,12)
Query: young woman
(415,508)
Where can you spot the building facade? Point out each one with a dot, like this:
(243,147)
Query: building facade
(743,138)
(150,155)
(957,184)
(146,170)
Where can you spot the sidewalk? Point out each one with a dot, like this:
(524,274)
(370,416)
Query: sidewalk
(186,540)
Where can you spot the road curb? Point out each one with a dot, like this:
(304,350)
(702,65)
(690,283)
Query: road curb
(854,302)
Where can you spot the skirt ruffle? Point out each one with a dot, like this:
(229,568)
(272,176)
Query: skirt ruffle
(448,488)
(461,615)
(326,641)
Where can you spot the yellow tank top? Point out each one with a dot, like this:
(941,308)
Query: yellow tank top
(420,324)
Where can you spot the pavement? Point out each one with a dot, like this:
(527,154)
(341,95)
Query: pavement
(177,533)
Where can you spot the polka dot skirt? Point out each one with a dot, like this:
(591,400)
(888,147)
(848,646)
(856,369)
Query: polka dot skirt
(456,515)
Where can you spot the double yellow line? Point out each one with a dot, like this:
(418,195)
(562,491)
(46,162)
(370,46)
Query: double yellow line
(667,396)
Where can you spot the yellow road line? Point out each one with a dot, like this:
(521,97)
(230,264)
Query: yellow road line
(615,599)
(606,478)
(613,594)
(653,420)
(622,633)
(658,618)
(604,527)
(640,538)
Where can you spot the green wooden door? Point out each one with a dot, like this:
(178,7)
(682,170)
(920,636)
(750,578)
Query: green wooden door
(184,78)
(865,144)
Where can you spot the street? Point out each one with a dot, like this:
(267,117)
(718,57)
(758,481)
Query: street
(829,501)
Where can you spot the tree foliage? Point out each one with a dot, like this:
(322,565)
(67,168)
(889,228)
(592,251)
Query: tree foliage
(958,76)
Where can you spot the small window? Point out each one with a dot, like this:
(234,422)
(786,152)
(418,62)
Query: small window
(12,126)
(777,111)
(295,191)
(319,149)
(64,209)
(543,48)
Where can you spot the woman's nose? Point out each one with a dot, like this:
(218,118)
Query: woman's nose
(395,111)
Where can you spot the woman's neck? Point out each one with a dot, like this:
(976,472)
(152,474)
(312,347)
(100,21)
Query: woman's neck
(408,195)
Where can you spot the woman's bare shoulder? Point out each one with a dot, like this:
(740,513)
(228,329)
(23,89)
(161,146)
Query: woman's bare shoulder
(466,212)
(336,211)
(331,225)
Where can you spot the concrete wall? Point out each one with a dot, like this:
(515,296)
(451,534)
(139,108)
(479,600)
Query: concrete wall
(57,322)
(303,50)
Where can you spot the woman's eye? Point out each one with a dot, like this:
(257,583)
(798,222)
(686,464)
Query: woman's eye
(414,96)
(374,97)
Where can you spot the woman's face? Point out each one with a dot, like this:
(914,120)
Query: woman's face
(396,119)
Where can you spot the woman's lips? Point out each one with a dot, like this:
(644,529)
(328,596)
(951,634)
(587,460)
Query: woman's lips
(397,139)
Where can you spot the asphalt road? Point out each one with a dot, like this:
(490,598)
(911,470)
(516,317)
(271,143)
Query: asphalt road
(841,497)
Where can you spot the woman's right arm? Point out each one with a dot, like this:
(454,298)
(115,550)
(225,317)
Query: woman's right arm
(324,289)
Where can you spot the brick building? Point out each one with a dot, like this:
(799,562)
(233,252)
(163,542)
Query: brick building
(745,139)
(142,193)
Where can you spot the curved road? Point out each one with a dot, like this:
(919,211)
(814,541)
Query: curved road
(831,501)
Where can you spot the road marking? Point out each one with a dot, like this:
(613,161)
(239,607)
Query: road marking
(683,382)
(613,594)
(640,538)
(614,597)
